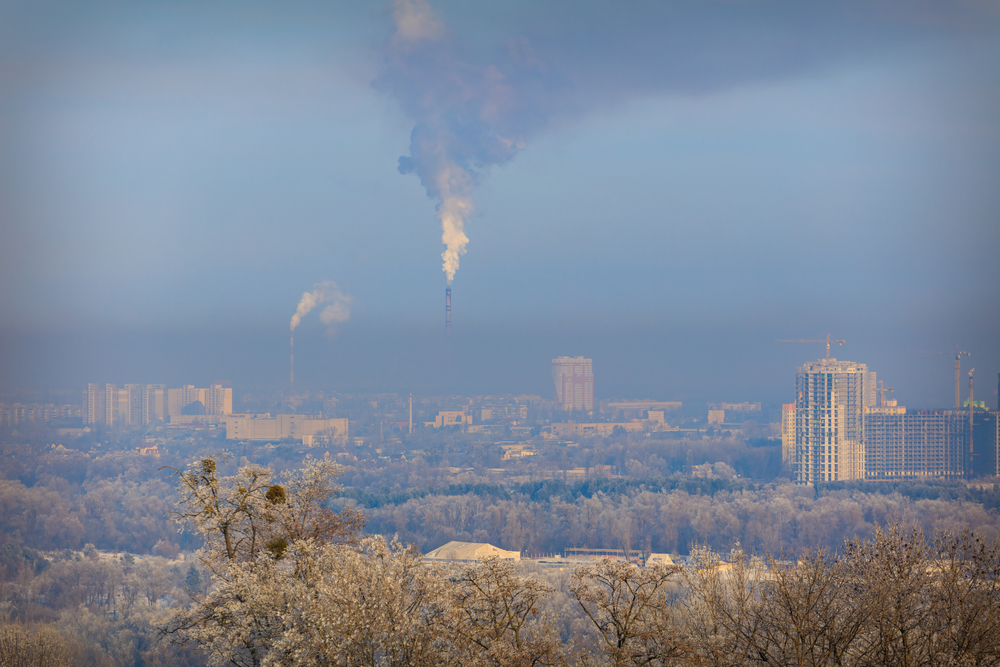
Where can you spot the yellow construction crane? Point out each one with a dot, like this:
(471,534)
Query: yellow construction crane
(827,341)
(958,372)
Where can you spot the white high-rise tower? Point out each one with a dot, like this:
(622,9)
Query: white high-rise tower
(830,405)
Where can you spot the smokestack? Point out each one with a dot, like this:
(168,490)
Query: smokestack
(411,413)
(447,310)
(291,364)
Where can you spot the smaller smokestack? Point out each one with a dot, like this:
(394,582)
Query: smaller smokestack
(291,364)
(447,310)
(411,413)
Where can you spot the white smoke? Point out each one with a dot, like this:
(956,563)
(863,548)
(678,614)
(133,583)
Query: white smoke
(454,185)
(327,291)
(463,112)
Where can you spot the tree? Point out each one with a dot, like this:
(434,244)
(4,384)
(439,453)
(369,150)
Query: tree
(41,647)
(374,604)
(495,619)
(629,607)
(192,581)
(767,611)
(249,525)
(939,601)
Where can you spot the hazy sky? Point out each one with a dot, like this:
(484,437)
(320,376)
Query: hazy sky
(666,187)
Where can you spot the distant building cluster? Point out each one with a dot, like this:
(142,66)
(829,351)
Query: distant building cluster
(16,413)
(836,430)
(141,404)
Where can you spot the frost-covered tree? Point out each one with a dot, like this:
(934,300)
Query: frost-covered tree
(249,524)
(630,608)
(494,617)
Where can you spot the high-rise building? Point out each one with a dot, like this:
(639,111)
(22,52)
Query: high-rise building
(831,397)
(111,406)
(216,399)
(133,396)
(93,404)
(154,403)
(574,380)
(984,453)
(788,434)
(903,444)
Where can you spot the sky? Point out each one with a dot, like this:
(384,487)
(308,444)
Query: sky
(665,187)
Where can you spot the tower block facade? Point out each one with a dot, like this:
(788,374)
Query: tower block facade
(831,397)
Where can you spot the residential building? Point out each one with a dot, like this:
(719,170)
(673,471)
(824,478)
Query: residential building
(984,453)
(216,399)
(788,434)
(636,409)
(574,383)
(829,420)
(603,428)
(450,418)
(310,429)
(902,444)
(93,404)
(742,407)
(15,413)
(131,398)
(154,403)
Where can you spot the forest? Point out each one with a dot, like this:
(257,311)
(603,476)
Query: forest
(98,565)
(293,582)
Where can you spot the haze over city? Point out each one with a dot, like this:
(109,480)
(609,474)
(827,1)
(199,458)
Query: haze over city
(666,188)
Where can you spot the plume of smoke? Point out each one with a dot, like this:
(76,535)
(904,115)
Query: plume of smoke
(467,114)
(533,62)
(337,310)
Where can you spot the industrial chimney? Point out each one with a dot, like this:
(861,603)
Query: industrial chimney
(447,310)
(291,365)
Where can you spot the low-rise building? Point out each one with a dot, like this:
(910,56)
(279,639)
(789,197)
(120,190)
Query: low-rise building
(470,552)
(310,429)
(451,418)
(572,429)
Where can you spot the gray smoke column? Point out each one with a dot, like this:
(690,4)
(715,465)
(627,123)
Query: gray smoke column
(337,310)
(469,114)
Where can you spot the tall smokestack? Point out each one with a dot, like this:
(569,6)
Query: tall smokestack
(291,365)
(447,310)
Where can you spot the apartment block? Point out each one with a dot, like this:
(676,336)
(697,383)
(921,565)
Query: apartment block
(310,429)
(574,383)
(831,397)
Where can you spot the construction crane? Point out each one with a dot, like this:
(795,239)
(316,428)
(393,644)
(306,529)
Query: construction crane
(827,341)
(958,372)
(881,388)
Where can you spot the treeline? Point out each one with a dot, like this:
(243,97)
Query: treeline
(295,584)
(118,502)
(625,454)
(765,518)
(90,609)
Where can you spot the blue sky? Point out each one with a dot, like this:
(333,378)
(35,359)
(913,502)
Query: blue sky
(690,181)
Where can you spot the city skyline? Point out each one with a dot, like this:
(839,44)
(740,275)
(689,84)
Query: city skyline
(665,189)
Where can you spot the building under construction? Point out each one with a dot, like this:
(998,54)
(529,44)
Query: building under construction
(831,397)
(915,444)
